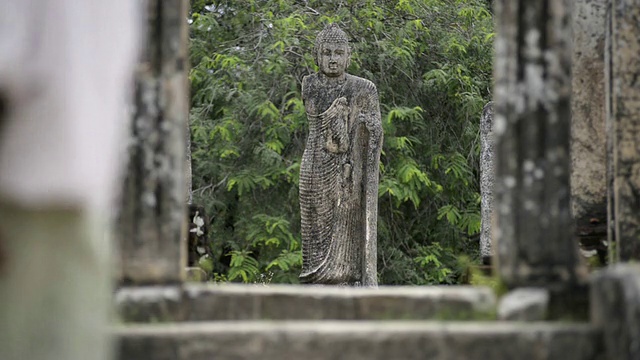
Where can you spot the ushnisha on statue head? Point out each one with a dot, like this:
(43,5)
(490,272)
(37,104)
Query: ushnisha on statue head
(331,51)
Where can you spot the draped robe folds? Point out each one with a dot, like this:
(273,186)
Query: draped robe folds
(339,182)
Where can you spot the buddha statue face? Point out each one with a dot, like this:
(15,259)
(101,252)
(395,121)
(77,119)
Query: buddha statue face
(333,59)
(332,51)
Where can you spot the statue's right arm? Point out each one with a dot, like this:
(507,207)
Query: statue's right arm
(305,88)
(308,89)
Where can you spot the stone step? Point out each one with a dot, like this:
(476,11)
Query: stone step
(212,302)
(355,340)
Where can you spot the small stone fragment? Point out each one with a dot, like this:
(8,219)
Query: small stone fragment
(524,304)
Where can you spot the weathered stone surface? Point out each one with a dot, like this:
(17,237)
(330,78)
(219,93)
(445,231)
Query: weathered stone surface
(588,135)
(339,169)
(608,80)
(524,304)
(624,112)
(358,340)
(150,303)
(615,307)
(487,170)
(151,221)
(208,302)
(532,222)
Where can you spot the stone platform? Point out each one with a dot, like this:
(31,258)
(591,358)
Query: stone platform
(212,302)
(316,340)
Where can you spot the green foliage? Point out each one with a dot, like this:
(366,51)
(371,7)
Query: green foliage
(478,278)
(430,261)
(431,61)
(243,266)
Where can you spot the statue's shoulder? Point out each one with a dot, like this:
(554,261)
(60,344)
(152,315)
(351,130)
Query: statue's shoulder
(308,82)
(361,84)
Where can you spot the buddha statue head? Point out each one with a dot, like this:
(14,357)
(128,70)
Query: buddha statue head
(331,51)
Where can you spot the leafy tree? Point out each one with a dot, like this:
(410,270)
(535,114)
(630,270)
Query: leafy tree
(431,62)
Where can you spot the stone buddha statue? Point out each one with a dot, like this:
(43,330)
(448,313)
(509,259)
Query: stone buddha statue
(339,169)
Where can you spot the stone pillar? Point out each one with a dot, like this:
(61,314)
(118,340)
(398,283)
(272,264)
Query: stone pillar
(486,181)
(588,135)
(151,224)
(613,254)
(64,77)
(623,93)
(532,223)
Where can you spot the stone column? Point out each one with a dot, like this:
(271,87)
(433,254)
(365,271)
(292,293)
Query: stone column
(588,135)
(64,77)
(613,254)
(532,223)
(151,224)
(486,181)
(623,93)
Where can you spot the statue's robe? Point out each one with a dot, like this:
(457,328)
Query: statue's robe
(339,182)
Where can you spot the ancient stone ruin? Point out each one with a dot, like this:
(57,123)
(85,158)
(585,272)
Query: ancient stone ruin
(534,245)
(339,169)
(577,316)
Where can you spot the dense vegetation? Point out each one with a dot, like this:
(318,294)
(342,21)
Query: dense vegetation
(431,61)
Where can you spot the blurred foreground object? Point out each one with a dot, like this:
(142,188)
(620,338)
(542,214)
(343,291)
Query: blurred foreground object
(65,69)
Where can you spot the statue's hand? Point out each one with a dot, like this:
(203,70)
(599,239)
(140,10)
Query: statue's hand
(365,120)
(370,123)
(346,171)
(331,146)
(337,137)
